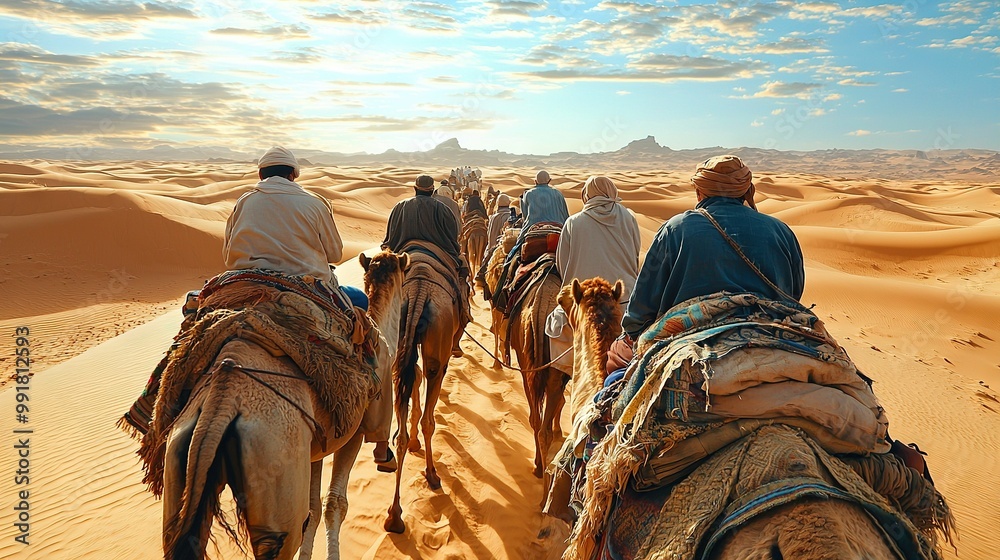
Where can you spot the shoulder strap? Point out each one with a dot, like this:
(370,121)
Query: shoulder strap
(736,247)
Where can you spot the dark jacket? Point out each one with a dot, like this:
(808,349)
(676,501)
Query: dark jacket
(690,258)
(425,218)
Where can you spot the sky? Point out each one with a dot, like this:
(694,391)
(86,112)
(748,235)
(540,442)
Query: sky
(515,75)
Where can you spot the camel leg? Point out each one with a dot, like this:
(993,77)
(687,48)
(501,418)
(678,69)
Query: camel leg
(336,497)
(173,486)
(276,488)
(551,380)
(495,327)
(534,393)
(315,510)
(557,393)
(394,519)
(415,413)
(435,375)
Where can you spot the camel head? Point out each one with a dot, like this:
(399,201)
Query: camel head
(594,302)
(384,269)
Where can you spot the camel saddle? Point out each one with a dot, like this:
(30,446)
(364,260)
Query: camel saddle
(526,277)
(451,270)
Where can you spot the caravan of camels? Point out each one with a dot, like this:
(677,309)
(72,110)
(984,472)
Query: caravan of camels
(712,414)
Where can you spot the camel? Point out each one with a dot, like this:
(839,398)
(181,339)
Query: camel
(491,200)
(430,319)
(812,528)
(474,242)
(596,317)
(493,270)
(383,279)
(263,434)
(543,386)
(594,314)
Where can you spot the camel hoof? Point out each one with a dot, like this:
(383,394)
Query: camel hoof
(497,365)
(457,353)
(538,472)
(394,524)
(413,446)
(433,480)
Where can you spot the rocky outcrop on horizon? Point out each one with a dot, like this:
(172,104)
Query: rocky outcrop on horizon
(645,153)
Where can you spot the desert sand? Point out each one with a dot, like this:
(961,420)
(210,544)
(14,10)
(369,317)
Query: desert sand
(95,258)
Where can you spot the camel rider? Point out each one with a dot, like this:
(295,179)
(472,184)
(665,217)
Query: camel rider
(282,227)
(689,258)
(279,226)
(424,218)
(447,197)
(474,204)
(498,222)
(602,241)
(541,203)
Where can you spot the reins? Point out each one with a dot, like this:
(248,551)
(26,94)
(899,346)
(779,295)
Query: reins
(229,364)
(508,366)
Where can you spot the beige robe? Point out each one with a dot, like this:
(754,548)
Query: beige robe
(280,226)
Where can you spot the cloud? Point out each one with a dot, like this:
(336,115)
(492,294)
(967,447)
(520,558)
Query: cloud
(430,16)
(19,119)
(859,132)
(102,20)
(832,97)
(304,55)
(647,68)
(96,106)
(514,8)
(879,11)
(800,90)
(786,45)
(900,90)
(276,32)
(556,55)
(351,17)
(777,112)
(381,123)
(855,83)
(756,123)
(31,54)
(960,12)
(623,92)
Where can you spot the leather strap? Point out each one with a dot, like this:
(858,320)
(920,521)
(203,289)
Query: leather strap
(736,247)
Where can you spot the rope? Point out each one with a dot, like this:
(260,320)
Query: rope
(229,364)
(508,366)
(739,251)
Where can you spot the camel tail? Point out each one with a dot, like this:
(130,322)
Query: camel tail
(406,354)
(214,431)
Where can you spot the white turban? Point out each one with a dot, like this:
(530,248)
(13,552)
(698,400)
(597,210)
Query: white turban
(278,155)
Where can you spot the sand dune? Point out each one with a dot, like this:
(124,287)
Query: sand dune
(95,258)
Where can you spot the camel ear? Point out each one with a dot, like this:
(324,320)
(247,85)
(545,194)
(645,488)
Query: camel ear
(617,292)
(404,261)
(365,261)
(577,291)
(565,299)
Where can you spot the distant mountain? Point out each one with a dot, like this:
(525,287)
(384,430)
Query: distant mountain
(645,153)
